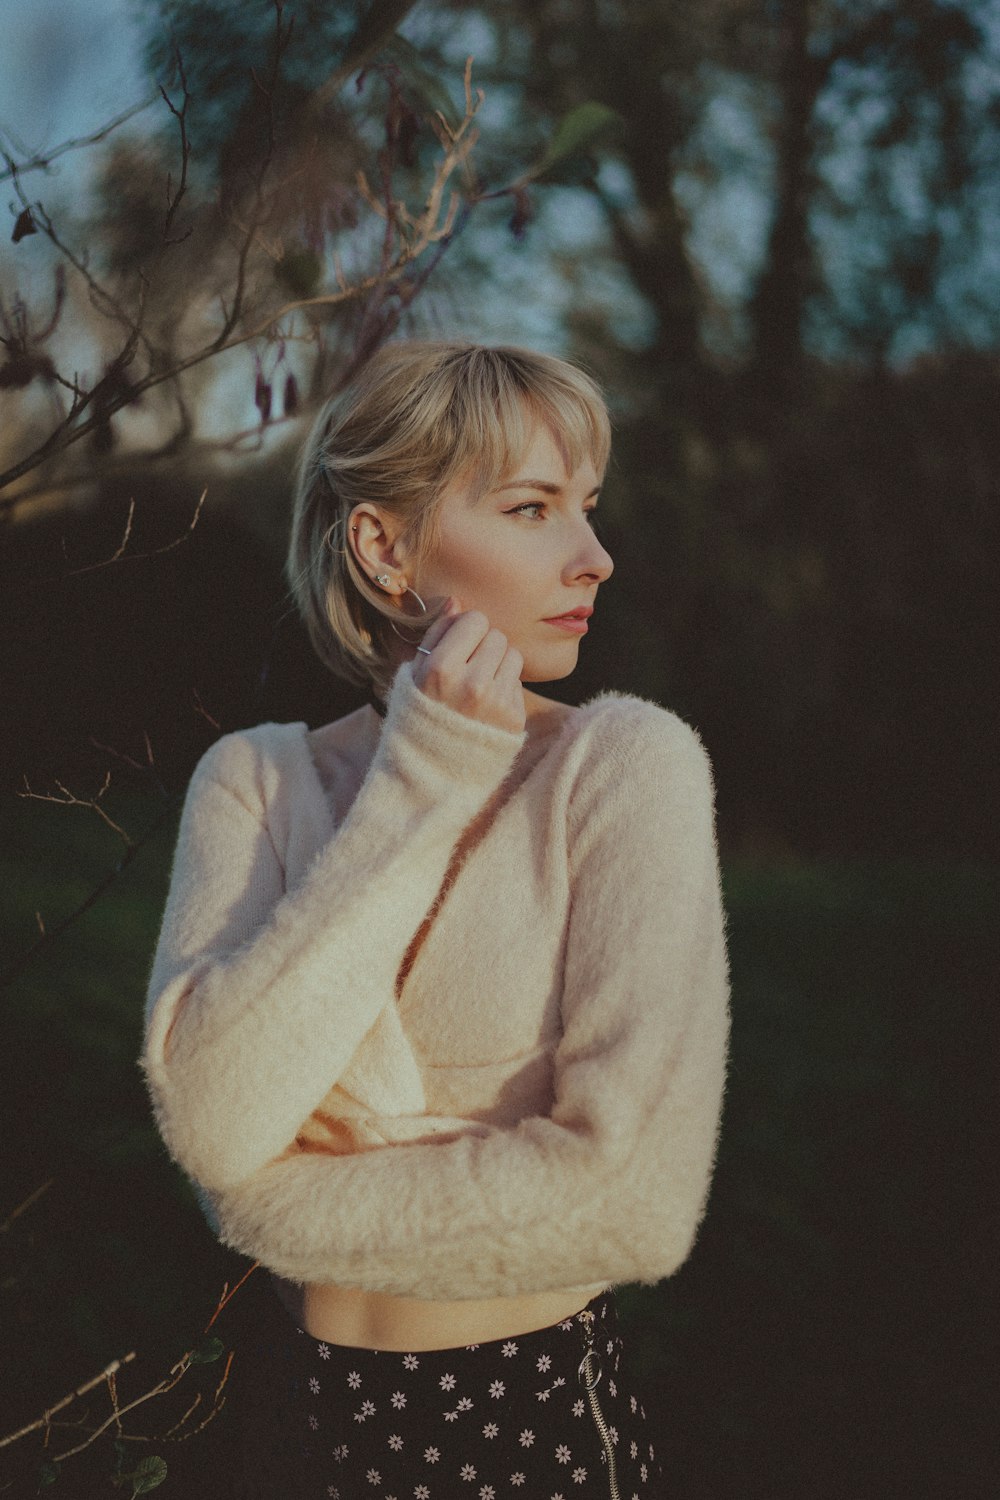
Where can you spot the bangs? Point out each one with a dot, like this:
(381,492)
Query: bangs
(496,405)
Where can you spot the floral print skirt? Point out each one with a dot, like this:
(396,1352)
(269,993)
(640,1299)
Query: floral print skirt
(549,1415)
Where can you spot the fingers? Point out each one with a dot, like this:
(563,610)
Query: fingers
(435,632)
(472,667)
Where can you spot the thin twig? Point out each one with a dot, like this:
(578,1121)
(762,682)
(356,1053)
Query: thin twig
(119,554)
(42,160)
(180,115)
(227,1295)
(177,1373)
(45,1419)
(23,1207)
(14,970)
(70,799)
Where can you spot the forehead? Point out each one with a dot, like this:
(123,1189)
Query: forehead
(534,449)
(542,458)
(542,452)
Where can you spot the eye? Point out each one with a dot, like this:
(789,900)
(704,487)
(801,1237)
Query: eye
(528,505)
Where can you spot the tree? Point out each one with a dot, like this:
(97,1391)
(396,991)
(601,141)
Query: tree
(288,232)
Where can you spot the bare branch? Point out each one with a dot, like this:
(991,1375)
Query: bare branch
(227,1295)
(45,1419)
(49,935)
(69,799)
(119,554)
(408,236)
(21,1208)
(108,1377)
(180,115)
(204,711)
(128,759)
(177,1373)
(44,159)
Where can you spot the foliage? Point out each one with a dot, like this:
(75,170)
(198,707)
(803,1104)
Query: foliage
(267,220)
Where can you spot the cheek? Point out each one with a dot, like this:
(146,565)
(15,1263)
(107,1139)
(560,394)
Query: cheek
(491,571)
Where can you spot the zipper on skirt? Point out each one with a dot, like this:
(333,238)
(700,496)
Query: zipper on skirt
(589,1376)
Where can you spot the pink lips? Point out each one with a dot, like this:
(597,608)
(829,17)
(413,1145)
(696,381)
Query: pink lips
(575,621)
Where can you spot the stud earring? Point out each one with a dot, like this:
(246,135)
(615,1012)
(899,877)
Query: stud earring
(383,579)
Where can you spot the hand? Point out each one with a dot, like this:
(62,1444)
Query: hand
(472,669)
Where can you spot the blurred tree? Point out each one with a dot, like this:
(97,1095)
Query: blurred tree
(776,513)
(268,217)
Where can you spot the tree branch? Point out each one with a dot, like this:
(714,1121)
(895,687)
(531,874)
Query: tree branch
(42,160)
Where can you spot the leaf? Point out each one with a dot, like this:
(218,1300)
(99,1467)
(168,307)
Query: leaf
(372,34)
(208,1352)
(523,213)
(299,270)
(575,132)
(48,1473)
(147,1475)
(426,85)
(262,401)
(25,225)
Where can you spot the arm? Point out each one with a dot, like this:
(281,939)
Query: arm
(259,997)
(611,1186)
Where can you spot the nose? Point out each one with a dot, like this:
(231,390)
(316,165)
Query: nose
(592,561)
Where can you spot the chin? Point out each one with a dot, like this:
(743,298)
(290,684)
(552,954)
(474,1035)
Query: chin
(552,671)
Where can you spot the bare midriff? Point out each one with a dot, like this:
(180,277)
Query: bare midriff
(376,1320)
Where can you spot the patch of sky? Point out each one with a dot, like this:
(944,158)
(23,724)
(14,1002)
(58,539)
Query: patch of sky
(723,187)
(66,68)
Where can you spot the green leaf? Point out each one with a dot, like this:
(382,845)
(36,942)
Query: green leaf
(48,1473)
(147,1474)
(575,132)
(372,34)
(299,271)
(425,84)
(208,1352)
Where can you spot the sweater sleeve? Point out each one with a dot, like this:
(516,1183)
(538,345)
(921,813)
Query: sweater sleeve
(611,1186)
(259,997)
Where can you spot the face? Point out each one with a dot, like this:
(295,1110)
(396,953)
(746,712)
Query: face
(524,554)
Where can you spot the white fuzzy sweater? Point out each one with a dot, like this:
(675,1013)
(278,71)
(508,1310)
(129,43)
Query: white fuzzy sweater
(472,1042)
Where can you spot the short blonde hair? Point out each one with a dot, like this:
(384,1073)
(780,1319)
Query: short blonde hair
(419,415)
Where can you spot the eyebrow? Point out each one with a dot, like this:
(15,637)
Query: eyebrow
(545,485)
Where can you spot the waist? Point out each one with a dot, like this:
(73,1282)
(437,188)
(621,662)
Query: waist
(377,1320)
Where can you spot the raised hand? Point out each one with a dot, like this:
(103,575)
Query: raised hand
(472,668)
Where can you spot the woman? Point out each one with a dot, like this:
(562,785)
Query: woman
(437,1020)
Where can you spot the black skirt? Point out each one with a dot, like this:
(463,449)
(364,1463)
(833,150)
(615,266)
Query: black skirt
(549,1415)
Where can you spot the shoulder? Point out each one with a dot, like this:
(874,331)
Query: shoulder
(248,762)
(633,756)
(623,731)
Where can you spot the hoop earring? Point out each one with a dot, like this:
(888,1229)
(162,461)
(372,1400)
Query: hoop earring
(329,536)
(423,610)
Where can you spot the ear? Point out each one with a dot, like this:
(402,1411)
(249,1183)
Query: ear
(373,537)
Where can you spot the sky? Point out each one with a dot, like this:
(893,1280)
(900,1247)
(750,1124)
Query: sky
(66,67)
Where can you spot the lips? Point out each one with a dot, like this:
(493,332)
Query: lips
(574,622)
(583,613)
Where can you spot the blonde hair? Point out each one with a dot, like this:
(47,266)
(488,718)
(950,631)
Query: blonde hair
(419,415)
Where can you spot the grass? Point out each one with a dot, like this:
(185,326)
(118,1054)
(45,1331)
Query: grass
(822,1342)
